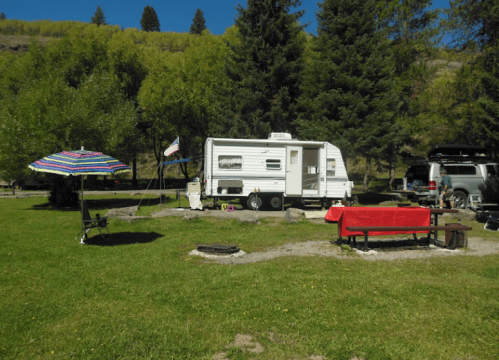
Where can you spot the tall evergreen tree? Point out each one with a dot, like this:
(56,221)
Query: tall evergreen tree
(473,21)
(198,23)
(99,18)
(412,29)
(265,68)
(476,23)
(149,21)
(347,93)
(489,101)
(408,19)
(2,16)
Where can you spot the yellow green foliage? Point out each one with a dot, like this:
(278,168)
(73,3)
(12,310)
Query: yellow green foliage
(47,27)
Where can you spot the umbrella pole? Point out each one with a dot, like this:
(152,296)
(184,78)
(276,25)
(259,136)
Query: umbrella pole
(179,165)
(81,205)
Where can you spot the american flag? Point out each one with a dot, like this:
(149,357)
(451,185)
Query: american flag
(173,148)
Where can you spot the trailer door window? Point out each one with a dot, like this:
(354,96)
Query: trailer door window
(293,157)
(273,164)
(331,167)
(230,162)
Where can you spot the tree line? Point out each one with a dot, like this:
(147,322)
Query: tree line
(372,81)
(150,21)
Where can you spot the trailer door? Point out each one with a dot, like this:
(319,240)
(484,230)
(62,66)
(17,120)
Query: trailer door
(294,164)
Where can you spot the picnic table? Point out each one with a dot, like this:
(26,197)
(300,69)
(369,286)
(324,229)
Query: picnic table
(376,221)
(378,216)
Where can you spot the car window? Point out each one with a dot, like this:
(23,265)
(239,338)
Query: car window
(492,170)
(460,170)
(418,170)
(451,170)
(467,170)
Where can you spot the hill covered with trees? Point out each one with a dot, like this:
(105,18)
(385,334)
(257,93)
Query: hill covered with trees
(375,80)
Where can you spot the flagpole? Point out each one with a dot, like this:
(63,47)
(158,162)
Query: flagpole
(174,147)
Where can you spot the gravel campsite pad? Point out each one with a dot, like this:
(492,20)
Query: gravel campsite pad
(476,247)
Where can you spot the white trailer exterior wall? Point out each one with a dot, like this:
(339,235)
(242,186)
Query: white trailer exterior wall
(237,168)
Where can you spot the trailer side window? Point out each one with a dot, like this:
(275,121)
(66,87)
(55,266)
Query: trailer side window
(331,167)
(273,164)
(230,162)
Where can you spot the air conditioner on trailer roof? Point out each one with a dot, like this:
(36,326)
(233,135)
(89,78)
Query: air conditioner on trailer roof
(280,136)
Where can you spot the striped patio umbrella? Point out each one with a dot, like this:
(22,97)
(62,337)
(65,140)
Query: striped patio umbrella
(79,162)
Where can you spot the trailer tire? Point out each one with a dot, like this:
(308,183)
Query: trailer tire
(275,202)
(254,202)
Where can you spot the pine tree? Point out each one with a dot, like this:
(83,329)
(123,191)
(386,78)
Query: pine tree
(99,18)
(408,19)
(347,97)
(489,102)
(265,68)
(2,16)
(473,21)
(476,24)
(198,23)
(149,21)
(411,27)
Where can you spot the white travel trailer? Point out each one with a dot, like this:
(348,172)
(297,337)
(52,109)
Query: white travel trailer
(264,173)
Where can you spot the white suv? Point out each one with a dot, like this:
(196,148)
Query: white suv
(468,166)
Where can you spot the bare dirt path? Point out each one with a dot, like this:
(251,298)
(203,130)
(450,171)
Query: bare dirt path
(476,247)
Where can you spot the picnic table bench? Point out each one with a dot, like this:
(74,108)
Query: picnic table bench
(454,228)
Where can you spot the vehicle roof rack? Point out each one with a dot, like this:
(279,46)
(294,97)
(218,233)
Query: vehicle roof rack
(461,159)
(459,150)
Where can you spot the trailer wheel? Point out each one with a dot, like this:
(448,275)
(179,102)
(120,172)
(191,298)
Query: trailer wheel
(276,202)
(254,202)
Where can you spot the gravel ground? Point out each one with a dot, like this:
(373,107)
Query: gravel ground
(476,247)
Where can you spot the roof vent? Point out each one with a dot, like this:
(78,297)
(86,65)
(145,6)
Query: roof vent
(280,136)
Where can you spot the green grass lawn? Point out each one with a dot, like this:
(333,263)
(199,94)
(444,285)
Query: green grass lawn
(146,298)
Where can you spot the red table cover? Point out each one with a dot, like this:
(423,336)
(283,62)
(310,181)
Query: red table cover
(378,216)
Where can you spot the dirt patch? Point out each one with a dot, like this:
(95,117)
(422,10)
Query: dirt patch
(476,247)
(243,342)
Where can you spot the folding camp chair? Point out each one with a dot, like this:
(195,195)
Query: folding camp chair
(475,202)
(492,223)
(88,223)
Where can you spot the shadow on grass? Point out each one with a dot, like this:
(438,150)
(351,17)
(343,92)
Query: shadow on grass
(371,198)
(123,238)
(393,245)
(106,204)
